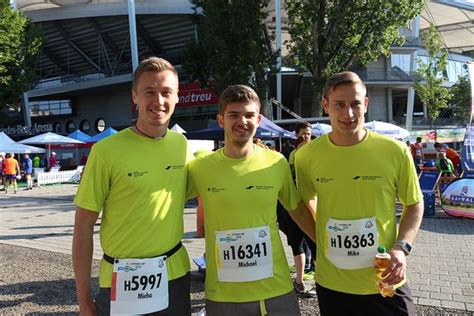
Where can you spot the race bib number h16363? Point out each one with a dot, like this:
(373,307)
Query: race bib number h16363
(351,244)
(139,286)
(244,255)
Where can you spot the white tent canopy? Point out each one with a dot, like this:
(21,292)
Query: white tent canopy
(387,129)
(178,129)
(8,145)
(50,139)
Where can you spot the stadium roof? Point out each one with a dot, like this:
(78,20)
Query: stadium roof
(90,38)
(454,19)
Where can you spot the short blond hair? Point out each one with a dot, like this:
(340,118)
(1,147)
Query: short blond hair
(155,64)
(341,78)
(237,93)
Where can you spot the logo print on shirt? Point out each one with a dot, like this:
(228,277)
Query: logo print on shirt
(367,178)
(259,187)
(324,180)
(215,190)
(174,167)
(136,174)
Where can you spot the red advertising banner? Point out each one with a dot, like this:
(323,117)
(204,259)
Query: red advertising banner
(191,95)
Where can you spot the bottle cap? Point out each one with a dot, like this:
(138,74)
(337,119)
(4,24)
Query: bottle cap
(381,249)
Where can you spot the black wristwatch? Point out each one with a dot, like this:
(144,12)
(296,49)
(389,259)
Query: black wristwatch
(404,246)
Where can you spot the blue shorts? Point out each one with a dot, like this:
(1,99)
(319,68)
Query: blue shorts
(10,176)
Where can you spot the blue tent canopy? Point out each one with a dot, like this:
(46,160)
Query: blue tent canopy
(78,135)
(267,129)
(109,131)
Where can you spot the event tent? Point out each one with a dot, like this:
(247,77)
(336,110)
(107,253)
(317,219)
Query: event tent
(267,129)
(78,135)
(108,132)
(8,145)
(387,129)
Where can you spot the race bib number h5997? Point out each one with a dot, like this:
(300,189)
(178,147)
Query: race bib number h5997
(139,286)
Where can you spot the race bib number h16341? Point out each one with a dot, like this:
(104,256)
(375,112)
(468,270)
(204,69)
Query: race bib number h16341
(139,286)
(351,244)
(244,255)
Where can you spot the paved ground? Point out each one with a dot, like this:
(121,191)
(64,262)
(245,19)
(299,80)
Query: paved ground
(36,274)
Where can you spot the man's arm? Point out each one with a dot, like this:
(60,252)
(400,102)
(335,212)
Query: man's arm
(82,249)
(409,225)
(304,217)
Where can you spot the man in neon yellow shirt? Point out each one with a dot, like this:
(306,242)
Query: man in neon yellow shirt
(137,178)
(246,268)
(356,176)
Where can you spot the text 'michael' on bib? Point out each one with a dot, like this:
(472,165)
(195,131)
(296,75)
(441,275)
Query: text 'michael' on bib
(244,255)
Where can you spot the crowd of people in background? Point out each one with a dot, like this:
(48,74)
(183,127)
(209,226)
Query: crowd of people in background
(22,168)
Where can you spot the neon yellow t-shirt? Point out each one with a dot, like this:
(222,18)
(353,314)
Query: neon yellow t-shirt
(355,182)
(139,183)
(241,194)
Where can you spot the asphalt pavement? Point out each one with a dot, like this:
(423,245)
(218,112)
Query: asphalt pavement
(36,273)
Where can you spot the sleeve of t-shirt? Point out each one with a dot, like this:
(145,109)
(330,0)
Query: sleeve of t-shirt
(409,191)
(191,191)
(303,181)
(288,195)
(95,183)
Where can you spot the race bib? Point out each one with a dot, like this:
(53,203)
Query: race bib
(351,244)
(139,286)
(244,255)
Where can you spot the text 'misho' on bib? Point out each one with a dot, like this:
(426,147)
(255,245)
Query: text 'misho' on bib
(351,244)
(139,286)
(244,255)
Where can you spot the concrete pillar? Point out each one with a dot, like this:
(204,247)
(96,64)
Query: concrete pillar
(133,33)
(278,48)
(389,105)
(410,107)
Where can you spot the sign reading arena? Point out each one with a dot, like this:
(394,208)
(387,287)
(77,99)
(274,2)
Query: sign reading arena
(27,130)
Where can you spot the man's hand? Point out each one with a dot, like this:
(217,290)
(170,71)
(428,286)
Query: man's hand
(396,272)
(88,308)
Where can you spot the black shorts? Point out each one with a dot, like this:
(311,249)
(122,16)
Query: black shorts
(179,298)
(339,303)
(297,239)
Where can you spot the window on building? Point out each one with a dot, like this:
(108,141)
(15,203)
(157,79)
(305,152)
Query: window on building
(51,107)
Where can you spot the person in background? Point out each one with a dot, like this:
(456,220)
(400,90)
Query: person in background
(36,161)
(444,164)
(83,159)
(356,176)
(52,160)
(2,175)
(451,154)
(303,248)
(28,167)
(12,171)
(417,153)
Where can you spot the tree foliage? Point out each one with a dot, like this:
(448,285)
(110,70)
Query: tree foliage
(20,42)
(329,36)
(430,75)
(461,100)
(232,45)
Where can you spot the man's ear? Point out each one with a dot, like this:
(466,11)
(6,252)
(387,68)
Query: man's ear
(220,120)
(325,104)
